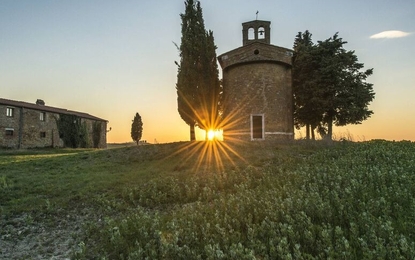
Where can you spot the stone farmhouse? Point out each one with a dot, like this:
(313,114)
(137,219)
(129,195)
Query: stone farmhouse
(29,125)
(257,87)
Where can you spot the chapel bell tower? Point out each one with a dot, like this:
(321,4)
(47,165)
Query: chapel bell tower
(256,30)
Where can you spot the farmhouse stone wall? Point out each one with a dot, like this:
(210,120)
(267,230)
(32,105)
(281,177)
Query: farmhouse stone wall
(38,133)
(9,124)
(35,126)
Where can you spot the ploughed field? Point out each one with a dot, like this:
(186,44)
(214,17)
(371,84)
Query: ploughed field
(210,200)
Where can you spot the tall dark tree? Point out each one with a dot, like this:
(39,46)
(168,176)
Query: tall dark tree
(307,110)
(346,93)
(197,79)
(209,93)
(137,128)
(329,85)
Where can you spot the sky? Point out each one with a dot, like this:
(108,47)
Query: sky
(112,59)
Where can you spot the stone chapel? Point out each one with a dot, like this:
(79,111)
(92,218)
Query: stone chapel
(257,87)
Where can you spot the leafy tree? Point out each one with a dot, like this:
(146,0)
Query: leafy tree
(329,85)
(305,87)
(346,93)
(197,85)
(137,128)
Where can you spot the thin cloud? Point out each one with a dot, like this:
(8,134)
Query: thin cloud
(389,34)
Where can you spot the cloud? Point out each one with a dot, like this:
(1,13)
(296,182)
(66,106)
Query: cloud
(389,34)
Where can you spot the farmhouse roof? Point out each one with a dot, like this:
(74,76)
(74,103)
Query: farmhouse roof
(44,108)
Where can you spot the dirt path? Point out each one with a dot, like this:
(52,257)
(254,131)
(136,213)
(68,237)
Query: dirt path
(47,237)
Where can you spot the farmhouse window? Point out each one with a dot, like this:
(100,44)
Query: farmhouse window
(9,131)
(9,111)
(42,134)
(42,116)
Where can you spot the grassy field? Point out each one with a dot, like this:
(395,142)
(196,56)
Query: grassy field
(295,200)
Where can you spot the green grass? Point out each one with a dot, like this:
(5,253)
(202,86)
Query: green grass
(28,178)
(294,200)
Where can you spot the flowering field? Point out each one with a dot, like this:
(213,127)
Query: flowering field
(295,200)
(347,201)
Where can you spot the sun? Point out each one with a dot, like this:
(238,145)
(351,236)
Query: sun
(211,135)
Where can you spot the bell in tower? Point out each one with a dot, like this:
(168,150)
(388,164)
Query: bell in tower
(256,31)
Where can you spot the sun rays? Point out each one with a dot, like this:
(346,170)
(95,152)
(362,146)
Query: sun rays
(207,156)
(225,129)
(214,153)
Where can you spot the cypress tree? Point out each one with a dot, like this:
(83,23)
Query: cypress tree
(137,128)
(209,93)
(197,84)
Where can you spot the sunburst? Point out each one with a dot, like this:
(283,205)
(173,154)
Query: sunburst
(214,152)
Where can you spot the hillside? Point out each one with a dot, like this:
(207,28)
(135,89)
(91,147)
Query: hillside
(295,200)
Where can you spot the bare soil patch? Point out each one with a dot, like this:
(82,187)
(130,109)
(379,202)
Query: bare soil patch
(40,237)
